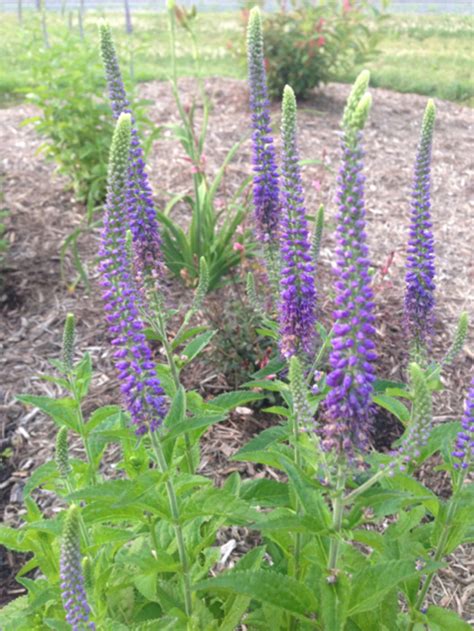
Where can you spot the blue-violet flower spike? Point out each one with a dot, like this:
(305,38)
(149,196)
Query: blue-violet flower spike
(464,449)
(420,267)
(298,294)
(352,356)
(265,182)
(140,388)
(72,579)
(141,209)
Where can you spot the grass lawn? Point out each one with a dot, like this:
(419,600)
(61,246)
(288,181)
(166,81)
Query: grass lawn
(430,55)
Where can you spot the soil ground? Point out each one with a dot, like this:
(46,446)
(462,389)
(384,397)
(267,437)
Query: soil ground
(34,299)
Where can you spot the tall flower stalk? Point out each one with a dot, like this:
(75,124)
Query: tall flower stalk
(72,579)
(463,453)
(352,356)
(140,387)
(141,212)
(265,182)
(420,267)
(298,294)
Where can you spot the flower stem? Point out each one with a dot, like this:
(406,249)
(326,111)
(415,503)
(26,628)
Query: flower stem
(173,504)
(363,487)
(439,552)
(338,512)
(161,330)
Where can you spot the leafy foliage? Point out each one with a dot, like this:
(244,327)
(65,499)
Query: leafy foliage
(311,44)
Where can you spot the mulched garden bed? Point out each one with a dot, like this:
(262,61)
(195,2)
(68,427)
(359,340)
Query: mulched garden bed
(34,300)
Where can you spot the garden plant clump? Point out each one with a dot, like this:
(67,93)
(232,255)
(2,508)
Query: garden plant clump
(348,538)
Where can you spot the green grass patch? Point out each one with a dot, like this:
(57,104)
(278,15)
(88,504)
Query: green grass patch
(429,55)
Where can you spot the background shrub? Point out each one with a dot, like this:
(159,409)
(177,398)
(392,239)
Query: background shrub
(312,44)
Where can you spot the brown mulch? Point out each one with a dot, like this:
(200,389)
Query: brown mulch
(34,301)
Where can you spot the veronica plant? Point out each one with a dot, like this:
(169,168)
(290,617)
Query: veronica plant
(419,296)
(130,549)
(349,538)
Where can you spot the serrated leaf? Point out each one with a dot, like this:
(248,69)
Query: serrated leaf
(266,586)
(265,492)
(266,438)
(200,342)
(235,606)
(194,423)
(334,601)
(62,411)
(442,619)
(372,582)
(231,400)
(44,473)
(310,498)
(98,416)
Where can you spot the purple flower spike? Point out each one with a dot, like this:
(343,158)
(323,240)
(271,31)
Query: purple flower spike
(140,388)
(265,188)
(72,579)
(464,448)
(298,293)
(419,294)
(141,210)
(352,371)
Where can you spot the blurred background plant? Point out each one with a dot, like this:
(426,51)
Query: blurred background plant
(312,44)
(215,231)
(75,116)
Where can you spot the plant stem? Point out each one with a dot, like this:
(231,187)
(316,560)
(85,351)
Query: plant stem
(297,455)
(82,432)
(363,487)
(173,504)
(175,375)
(439,552)
(82,525)
(338,512)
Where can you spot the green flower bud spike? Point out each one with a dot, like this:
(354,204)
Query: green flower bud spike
(299,394)
(458,341)
(69,336)
(421,420)
(252,296)
(318,234)
(62,453)
(357,93)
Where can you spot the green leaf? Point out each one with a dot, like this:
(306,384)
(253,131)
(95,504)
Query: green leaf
(334,600)
(197,345)
(267,587)
(394,406)
(62,411)
(442,619)
(231,400)
(261,442)
(235,606)
(311,499)
(371,583)
(265,492)
(99,415)
(177,409)
(83,375)
(194,423)
(44,473)
(14,613)
(57,625)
